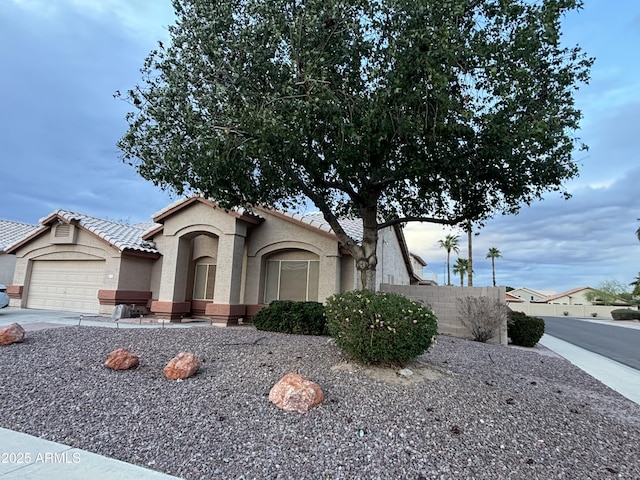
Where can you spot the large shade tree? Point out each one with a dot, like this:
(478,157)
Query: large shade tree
(389,111)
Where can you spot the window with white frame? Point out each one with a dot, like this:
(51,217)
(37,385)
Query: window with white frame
(292,280)
(204,282)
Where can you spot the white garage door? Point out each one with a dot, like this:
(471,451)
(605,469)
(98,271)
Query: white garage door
(66,285)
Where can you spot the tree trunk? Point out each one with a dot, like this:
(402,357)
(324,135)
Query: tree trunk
(470,243)
(448,268)
(366,256)
(493,270)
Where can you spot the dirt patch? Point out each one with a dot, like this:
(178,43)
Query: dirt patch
(414,373)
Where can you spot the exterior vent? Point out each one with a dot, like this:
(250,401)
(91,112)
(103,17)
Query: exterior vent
(63,230)
(63,233)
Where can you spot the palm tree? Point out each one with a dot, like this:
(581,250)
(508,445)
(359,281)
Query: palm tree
(461,268)
(450,242)
(493,254)
(636,284)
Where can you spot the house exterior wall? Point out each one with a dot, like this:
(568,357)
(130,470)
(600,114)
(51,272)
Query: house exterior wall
(442,301)
(86,247)
(135,273)
(391,268)
(577,298)
(277,235)
(528,295)
(7,268)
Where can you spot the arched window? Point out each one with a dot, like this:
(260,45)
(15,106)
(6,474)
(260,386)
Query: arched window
(292,280)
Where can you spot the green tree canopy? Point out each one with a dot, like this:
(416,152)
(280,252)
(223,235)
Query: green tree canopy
(385,110)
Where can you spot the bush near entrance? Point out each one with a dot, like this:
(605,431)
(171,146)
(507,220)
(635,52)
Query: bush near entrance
(287,316)
(380,328)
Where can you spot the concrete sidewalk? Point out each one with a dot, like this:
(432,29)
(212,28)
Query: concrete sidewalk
(621,378)
(25,456)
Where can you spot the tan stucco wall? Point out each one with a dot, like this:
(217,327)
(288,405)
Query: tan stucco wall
(194,232)
(135,273)
(87,247)
(442,301)
(277,235)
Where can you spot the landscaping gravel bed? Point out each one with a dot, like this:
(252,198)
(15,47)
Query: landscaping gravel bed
(470,410)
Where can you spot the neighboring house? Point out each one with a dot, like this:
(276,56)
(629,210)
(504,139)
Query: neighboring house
(576,296)
(10,233)
(513,299)
(195,259)
(531,295)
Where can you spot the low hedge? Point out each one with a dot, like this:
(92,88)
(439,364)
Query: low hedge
(287,316)
(625,314)
(524,330)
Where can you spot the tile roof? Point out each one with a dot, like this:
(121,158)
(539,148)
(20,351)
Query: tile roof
(351,226)
(13,232)
(120,235)
(560,295)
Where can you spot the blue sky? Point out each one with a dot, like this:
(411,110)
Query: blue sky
(61,61)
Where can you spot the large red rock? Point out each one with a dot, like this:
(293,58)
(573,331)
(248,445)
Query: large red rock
(296,393)
(122,359)
(181,366)
(11,334)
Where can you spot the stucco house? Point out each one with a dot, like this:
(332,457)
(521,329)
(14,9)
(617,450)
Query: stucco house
(531,295)
(576,296)
(10,233)
(195,259)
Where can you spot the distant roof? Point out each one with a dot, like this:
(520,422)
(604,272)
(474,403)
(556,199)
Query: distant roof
(568,293)
(542,293)
(13,232)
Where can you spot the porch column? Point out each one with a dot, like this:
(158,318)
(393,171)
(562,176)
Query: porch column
(226,307)
(171,302)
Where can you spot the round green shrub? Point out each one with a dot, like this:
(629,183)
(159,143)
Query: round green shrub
(625,314)
(374,327)
(524,330)
(286,316)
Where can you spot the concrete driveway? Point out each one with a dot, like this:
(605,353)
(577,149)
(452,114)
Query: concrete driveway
(31,320)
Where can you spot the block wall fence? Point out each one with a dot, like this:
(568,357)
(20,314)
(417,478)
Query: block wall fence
(442,300)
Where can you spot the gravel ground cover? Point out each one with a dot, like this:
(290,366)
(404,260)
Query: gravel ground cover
(470,410)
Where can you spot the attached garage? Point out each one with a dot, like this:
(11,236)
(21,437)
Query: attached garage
(68,285)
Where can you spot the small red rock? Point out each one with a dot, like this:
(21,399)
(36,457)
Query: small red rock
(296,393)
(183,365)
(13,333)
(122,359)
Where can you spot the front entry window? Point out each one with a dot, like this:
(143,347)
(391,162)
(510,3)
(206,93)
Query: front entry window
(204,281)
(292,280)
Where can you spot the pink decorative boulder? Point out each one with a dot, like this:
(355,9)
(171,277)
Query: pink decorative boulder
(296,393)
(13,333)
(183,365)
(122,359)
